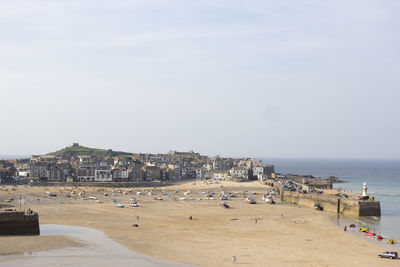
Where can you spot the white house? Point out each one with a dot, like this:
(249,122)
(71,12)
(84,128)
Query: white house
(221,175)
(258,170)
(239,172)
(103,176)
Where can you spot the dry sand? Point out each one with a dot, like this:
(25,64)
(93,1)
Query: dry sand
(282,236)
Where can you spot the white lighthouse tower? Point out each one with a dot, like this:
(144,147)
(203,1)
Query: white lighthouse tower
(364,194)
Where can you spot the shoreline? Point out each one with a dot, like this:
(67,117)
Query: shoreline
(215,234)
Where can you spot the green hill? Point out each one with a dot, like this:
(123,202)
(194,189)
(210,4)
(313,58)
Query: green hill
(73,151)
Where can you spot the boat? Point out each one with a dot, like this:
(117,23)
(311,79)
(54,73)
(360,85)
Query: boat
(134,204)
(224,197)
(249,200)
(379,237)
(391,242)
(370,234)
(352,225)
(223,204)
(318,207)
(119,205)
(269,200)
(51,194)
(364,229)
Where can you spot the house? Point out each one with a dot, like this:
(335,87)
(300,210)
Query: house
(269,170)
(221,175)
(222,164)
(40,170)
(199,173)
(174,172)
(258,170)
(120,175)
(56,174)
(152,173)
(239,172)
(86,173)
(103,175)
(135,174)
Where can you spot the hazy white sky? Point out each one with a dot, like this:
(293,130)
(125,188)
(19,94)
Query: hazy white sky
(238,78)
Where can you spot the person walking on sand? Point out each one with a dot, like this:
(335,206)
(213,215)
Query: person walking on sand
(234,259)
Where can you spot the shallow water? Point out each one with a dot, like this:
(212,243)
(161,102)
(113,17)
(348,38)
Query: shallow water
(98,251)
(382,178)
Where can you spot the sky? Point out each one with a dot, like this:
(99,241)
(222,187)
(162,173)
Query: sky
(286,79)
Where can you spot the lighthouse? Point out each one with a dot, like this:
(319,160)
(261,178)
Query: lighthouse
(364,190)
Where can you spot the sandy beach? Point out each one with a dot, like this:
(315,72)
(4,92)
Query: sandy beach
(258,235)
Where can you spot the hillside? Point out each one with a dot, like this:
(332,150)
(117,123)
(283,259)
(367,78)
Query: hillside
(72,151)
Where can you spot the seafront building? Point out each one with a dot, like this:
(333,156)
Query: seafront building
(170,166)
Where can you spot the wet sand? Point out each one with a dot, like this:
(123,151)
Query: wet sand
(282,235)
(94,249)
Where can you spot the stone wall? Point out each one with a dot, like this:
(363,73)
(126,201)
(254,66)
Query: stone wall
(18,223)
(333,204)
(370,208)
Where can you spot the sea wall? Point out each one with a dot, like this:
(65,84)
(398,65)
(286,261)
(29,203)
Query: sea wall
(333,204)
(18,223)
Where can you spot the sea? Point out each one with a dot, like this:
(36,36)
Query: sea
(381,176)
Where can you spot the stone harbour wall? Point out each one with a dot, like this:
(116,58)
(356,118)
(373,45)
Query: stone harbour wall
(19,223)
(333,204)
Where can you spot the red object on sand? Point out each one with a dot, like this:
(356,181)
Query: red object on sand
(369,234)
(379,237)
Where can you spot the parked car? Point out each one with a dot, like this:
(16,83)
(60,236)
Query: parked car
(388,254)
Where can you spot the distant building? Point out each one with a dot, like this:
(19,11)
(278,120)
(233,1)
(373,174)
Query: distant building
(135,174)
(120,175)
(221,175)
(239,172)
(103,175)
(152,173)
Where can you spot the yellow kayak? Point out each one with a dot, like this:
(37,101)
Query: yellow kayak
(365,229)
(391,242)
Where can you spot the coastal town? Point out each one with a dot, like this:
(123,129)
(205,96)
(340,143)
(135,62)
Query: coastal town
(141,198)
(172,166)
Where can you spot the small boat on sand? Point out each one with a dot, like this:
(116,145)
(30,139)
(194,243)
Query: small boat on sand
(224,205)
(269,200)
(379,237)
(134,204)
(364,229)
(391,242)
(318,207)
(119,205)
(370,234)
(249,200)
(352,225)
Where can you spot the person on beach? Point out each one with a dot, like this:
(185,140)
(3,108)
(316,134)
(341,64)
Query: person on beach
(345,228)
(234,259)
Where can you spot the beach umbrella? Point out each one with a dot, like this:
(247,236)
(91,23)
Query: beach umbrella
(133,198)
(113,200)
